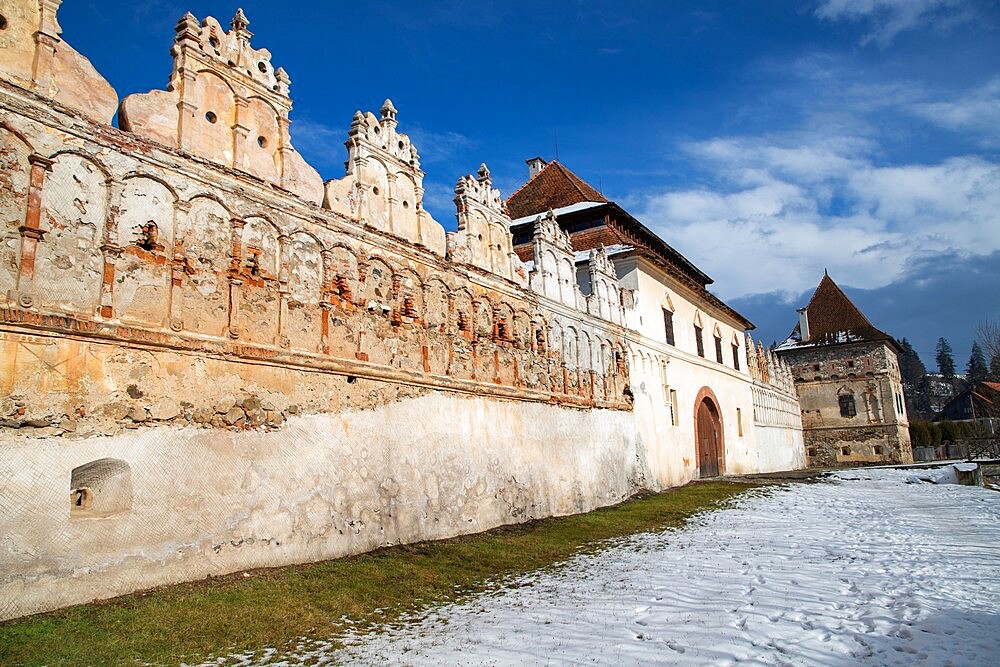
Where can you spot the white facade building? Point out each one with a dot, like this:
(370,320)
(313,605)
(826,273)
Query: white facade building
(706,401)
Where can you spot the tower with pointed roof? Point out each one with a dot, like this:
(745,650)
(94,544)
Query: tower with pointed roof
(848,381)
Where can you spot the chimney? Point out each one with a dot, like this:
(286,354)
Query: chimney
(535,165)
(803,324)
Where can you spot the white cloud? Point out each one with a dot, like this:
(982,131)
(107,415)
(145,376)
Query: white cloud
(976,111)
(785,207)
(888,18)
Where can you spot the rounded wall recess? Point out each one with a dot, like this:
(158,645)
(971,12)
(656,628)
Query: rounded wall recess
(406,204)
(262,67)
(214,42)
(211,117)
(3,22)
(375,189)
(262,142)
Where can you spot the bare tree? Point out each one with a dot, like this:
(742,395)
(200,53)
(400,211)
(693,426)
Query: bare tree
(988,337)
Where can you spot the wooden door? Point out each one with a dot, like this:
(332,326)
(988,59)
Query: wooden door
(708,440)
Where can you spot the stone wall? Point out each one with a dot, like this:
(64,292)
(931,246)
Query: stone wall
(777,417)
(93,517)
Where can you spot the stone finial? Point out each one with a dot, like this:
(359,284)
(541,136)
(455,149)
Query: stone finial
(599,262)
(240,23)
(187,26)
(547,229)
(48,21)
(284,82)
(388,111)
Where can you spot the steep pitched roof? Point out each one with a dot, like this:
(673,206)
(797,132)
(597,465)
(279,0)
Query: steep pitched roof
(554,186)
(833,318)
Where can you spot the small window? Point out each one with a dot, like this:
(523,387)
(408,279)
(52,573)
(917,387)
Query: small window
(699,341)
(739,422)
(811,452)
(847,406)
(878,450)
(845,451)
(211,117)
(673,407)
(718,349)
(736,356)
(668,326)
(815,367)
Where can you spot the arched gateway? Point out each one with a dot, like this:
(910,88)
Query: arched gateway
(710,446)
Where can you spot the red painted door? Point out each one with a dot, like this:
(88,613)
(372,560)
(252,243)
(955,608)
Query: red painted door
(708,440)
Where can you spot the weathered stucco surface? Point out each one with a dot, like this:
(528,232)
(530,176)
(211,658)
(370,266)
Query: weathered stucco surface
(211,501)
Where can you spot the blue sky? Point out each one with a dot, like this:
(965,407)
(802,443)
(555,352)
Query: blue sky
(765,140)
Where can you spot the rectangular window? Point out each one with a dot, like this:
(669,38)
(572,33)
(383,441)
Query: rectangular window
(739,422)
(847,407)
(736,357)
(699,343)
(668,326)
(673,407)
(718,349)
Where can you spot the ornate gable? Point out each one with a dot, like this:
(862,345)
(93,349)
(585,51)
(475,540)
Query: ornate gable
(483,238)
(384,186)
(227,103)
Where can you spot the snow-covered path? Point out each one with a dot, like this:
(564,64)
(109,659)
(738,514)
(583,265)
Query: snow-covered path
(862,569)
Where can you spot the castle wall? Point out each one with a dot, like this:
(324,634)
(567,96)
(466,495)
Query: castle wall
(182,501)
(201,372)
(777,425)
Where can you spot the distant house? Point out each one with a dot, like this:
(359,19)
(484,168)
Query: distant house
(706,401)
(848,382)
(981,401)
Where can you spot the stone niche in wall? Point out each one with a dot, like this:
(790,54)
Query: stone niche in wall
(226,103)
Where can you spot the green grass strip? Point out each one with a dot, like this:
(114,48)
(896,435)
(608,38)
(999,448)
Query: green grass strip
(275,607)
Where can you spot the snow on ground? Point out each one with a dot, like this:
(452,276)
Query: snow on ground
(874,567)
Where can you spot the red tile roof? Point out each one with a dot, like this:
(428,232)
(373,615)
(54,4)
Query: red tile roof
(833,318)
(554,186)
